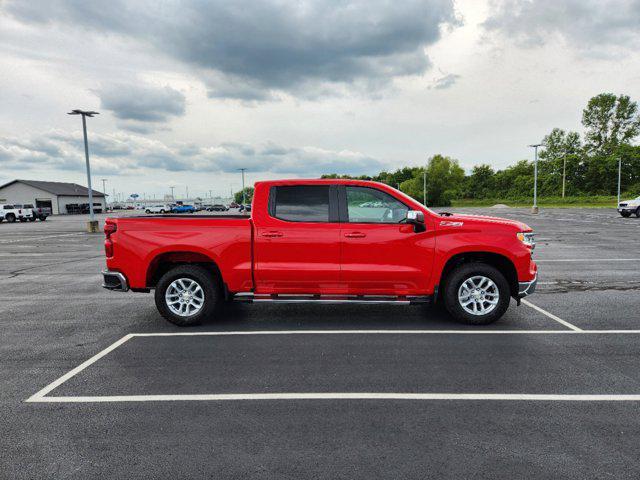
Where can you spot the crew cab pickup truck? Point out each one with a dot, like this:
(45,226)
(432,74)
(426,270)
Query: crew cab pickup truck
(323,241)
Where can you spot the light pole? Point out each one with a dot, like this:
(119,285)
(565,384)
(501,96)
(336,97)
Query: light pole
(534,209)
(619,178)
(92,226)
(243,193)
(172,197)
(104,190)
(564,174)
(424,188)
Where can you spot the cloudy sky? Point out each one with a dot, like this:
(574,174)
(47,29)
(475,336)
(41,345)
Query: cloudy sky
(190,90)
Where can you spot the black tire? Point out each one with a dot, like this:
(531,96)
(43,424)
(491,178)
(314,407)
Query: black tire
(147,211)
(625,214)
(162,211)
(638,212)
(207,281)
(465,272)
(10,218)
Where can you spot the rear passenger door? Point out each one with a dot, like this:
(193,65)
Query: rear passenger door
(297,243)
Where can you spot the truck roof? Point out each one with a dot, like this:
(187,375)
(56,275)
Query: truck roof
(320,181)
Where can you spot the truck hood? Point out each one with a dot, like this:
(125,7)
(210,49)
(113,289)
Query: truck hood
(481,220)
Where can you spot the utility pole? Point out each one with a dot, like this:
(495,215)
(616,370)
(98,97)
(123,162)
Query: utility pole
(534,209)
(564,174)
(619,178)
(92,226)
(243,192)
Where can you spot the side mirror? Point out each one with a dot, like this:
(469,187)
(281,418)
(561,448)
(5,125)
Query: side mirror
(416,218)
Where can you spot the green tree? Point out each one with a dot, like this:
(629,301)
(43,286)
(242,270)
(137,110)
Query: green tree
(248,194)
(610,121)
(445,180)
(481,183)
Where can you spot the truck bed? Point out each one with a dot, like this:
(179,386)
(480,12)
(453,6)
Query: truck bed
(142,242)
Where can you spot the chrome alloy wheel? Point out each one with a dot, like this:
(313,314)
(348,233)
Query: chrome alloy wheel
(184,297)
(478,295)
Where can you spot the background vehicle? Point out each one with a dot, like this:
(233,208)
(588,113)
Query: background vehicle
(310,240)
(158,209)
(217,208)
(24,212)
(10,212)
(183,209)
(627,207)
(37,213)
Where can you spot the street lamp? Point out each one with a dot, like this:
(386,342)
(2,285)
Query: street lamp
(104,190)
(92,226)
(424,188)
(619,178)
(243,194)
(172,197)
(534,209)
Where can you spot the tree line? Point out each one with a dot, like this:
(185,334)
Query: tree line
(590,162)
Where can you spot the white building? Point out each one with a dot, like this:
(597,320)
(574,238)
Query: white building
(60,197)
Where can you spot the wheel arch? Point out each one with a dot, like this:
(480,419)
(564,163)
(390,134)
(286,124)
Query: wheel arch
(165,261)
(500,262)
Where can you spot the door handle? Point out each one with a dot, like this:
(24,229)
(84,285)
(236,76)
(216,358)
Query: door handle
(271,234)
(355,235)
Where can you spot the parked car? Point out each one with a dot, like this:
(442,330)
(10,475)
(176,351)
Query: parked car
(627,207)
(10,212)
(183,209)
(307,242)
(217,208)
(245,208)
(37,213)
(158,209)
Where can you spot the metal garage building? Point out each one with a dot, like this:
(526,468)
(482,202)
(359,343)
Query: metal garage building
(60,197)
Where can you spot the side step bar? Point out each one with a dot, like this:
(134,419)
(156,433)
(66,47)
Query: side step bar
(333,299)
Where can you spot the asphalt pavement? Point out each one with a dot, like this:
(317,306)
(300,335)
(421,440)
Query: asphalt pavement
(322,391)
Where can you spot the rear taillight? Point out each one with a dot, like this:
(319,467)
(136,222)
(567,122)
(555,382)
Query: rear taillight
(109,229)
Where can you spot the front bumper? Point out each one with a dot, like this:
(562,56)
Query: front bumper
(627,209)
(527,288)
(113,280)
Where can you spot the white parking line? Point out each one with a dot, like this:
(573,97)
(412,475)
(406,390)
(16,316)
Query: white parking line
(552,316)
(72,373)
(27,239)
(345,396)
(40,396)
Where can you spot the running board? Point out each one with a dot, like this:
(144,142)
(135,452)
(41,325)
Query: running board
(335,299)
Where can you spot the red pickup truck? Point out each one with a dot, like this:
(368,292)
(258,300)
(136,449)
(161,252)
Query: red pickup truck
(323,241)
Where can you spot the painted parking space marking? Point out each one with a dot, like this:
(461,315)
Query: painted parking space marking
(551,316)
(42,395)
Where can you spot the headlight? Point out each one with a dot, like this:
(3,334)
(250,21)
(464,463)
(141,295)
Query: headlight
(527,238)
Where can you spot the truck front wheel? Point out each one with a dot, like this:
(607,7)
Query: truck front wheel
(476,294)
(187,294)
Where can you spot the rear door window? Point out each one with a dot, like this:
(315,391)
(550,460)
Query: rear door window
(301,203)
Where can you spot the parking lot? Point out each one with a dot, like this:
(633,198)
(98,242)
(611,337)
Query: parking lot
(95,384)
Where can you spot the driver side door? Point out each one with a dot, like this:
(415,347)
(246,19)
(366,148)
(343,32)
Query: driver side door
(382,254)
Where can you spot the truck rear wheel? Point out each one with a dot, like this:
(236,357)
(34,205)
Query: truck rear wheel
(476,294)
(10,217)
(187,294)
